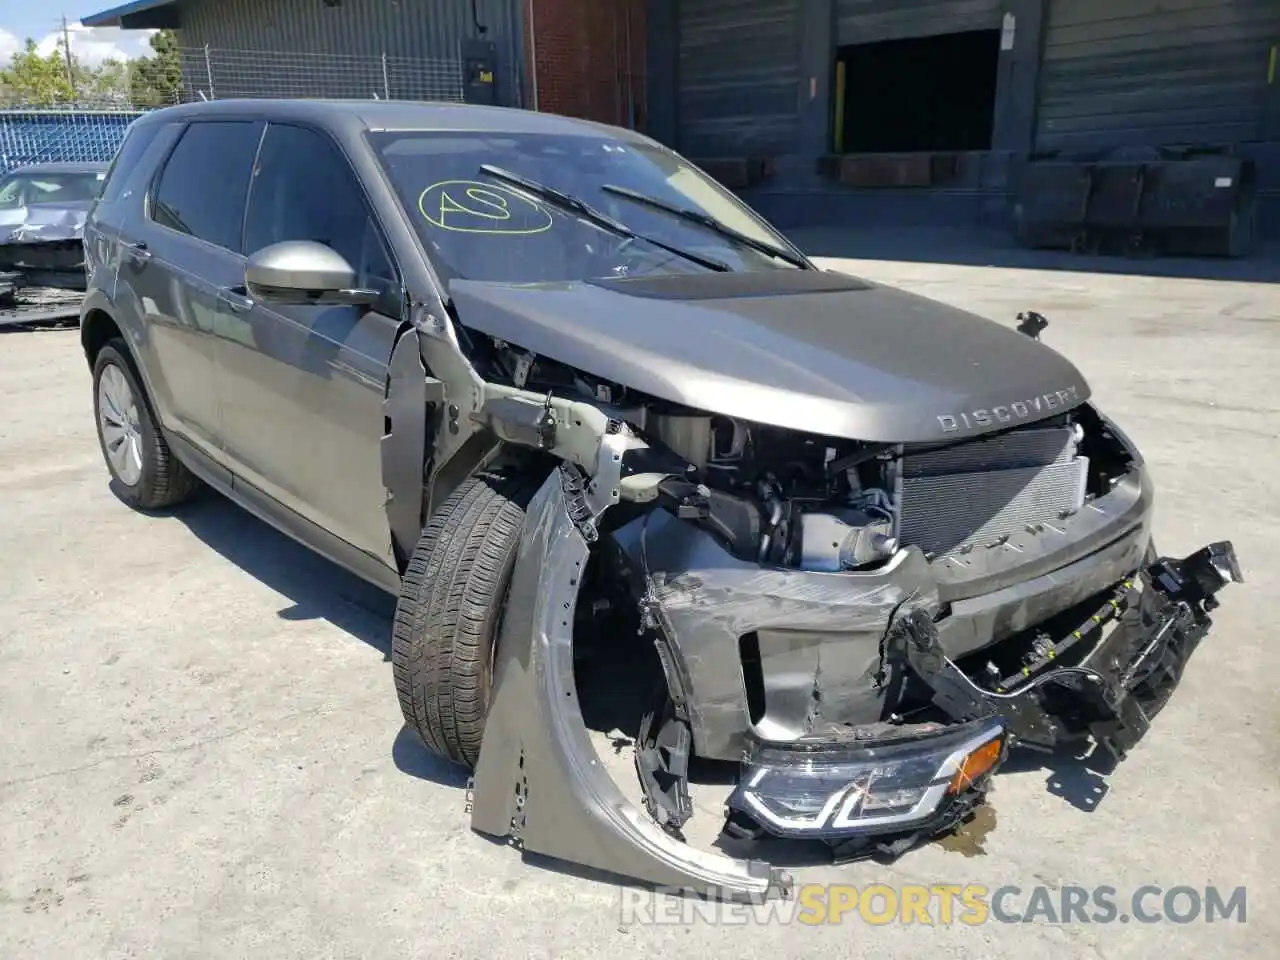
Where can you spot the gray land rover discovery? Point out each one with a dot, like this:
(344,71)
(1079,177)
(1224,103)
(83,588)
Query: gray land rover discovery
(569,399)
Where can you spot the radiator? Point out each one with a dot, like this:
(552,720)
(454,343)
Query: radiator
(974,494)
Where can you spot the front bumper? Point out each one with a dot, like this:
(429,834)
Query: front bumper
(57,263)
(1161,614)
(803,642)
(1109,691)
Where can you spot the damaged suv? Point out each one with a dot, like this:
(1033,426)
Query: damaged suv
(42,214)
(563,394)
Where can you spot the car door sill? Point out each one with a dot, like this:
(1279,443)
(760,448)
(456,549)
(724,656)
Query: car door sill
(277,515)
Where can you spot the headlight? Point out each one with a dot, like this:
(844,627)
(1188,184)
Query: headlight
(833,790)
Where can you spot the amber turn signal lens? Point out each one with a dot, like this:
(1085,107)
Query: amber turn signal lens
(981,761)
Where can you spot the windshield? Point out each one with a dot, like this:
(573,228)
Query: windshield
(24,189)
(481,227)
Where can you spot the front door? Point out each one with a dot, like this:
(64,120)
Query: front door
(302,386)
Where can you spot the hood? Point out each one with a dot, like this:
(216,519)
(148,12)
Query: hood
(802,349)
(44,221)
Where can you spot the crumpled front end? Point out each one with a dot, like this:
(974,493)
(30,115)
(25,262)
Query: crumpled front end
(45,248)
(862,629)
(867,688)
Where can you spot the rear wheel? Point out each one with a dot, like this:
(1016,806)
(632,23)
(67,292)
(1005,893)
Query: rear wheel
(450,609)
(147,473)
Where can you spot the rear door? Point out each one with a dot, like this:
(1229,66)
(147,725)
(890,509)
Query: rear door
(303,385)
(178,259)
(121,199)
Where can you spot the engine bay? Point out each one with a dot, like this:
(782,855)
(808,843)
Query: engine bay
(803,501)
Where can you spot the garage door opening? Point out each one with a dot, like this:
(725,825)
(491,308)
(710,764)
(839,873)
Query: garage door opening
(917,95)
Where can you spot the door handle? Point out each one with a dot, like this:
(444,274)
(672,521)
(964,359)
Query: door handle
(236,298)
(136,250)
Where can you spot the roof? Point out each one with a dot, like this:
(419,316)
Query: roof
(86,167)
(140,14)
(403,115)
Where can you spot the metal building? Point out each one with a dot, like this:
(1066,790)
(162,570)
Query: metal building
(399,49)
(821,111)
(925,110)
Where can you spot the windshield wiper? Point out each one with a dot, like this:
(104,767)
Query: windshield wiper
(567,201)
(711,223)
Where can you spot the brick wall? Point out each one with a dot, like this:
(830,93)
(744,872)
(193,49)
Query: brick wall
(590,58)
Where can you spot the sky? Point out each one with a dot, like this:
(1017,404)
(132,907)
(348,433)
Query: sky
(20,19)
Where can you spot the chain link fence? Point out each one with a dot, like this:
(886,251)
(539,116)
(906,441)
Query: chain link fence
(89,125)
(46,135)
(209,74)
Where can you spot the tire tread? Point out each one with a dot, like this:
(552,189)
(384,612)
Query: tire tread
(451,598)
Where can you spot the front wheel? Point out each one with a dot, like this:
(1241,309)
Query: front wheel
(147,473)
(450,609)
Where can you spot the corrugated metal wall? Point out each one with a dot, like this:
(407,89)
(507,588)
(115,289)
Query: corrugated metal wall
(739,77)
(408,30)
(869,21)
(1151,72)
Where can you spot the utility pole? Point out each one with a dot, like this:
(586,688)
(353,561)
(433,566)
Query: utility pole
(66,52)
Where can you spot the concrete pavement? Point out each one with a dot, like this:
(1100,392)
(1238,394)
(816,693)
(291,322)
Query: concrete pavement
(201,751)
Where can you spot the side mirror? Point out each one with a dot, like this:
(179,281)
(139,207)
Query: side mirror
(302,272)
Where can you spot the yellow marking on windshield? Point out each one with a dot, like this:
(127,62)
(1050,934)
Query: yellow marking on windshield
(488,204)
(469,206)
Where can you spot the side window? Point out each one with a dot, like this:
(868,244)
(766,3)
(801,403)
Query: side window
(304,189)
(204,183)
(136,141)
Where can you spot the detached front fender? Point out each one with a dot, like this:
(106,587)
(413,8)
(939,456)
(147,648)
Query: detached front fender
(539,780)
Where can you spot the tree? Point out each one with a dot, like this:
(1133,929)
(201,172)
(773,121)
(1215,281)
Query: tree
(156,81)
(108,83)
(35,80)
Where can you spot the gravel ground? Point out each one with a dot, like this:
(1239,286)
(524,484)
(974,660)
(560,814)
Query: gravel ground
(201,753)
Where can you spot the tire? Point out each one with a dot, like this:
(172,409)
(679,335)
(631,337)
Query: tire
(148,475)
(449,612)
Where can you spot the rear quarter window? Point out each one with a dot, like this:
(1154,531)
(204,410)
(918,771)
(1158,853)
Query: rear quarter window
(127,158)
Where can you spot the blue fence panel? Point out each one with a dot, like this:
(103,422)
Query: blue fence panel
(43,136)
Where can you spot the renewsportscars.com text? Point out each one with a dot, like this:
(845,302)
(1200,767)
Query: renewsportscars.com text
(942,904)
